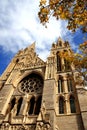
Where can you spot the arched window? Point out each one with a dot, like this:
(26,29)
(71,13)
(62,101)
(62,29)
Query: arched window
(72,104)
(67,65)
(70,85)
(33,83)
(60,85)
(61,105)
(31,106)
(11,105)
(13,101)
(38,105)
(19,105)
(59,67)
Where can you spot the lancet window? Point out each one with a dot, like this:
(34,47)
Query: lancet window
(13,101)
(34,106)
(61,105)
(11,105)
(19,104)
(38,105)
(67,65)
(60,85)
(70,85)
(72,104)
(31,106)
(59,65)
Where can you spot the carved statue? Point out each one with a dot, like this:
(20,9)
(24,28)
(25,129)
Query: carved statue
(43,126)
(44,121)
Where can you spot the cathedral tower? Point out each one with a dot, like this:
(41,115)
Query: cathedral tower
(38,95)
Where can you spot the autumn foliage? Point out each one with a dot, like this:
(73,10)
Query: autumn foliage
(74,11)
(79,60)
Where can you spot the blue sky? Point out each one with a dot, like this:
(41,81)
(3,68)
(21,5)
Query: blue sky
(20,26)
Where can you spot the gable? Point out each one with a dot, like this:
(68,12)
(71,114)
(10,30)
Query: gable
(28,58)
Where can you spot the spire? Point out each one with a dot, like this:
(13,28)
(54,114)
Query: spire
(60,42)
(27,50)
(60,39)
(30,49)
(32,46)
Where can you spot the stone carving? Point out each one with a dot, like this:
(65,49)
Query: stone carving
(27,50)
(56,127)
(82,91)
(33,61)
(22,128)
(5,126)
(20,52)
(31,85)
(43,126)
(44,119)
(14,110)
(30,60)
(26,127)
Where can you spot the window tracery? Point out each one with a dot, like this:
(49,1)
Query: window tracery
(31,84)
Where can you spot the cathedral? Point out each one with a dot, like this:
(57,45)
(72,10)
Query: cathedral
(42,95)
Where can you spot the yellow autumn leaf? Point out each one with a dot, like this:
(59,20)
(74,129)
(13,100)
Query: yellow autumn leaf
(63,16)
(45,10)
(42,2)
(53,1)
(74,12)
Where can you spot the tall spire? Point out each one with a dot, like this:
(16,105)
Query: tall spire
(32,46)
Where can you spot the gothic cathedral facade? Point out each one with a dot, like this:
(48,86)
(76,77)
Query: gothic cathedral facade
(38,95)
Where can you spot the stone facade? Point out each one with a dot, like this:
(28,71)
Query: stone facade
(38,95)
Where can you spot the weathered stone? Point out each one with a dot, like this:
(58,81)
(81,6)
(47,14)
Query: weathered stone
(38,95)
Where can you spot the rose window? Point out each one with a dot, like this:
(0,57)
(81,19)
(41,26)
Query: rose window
(31,84)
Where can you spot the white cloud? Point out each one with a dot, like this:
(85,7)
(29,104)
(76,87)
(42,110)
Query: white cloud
(20,27)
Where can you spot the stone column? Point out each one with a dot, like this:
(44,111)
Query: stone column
(57,106)
(66,95)
(26,105)
(65,84)
(62,64)
(67,105)
(52,70)
(36,98)
(49,99)
(14,110)
(47,71)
